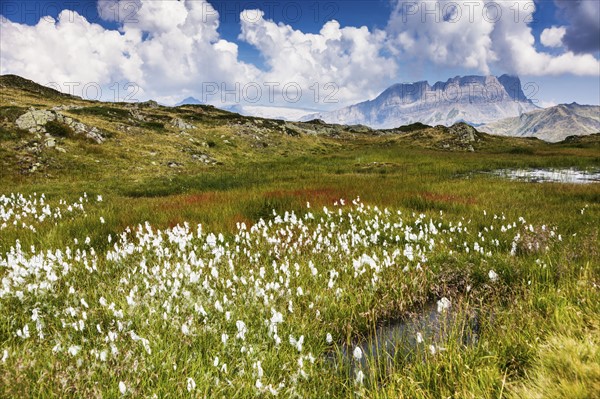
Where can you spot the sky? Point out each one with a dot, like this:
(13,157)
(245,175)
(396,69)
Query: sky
(310,54)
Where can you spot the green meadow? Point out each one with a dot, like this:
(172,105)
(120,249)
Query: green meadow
(312,237)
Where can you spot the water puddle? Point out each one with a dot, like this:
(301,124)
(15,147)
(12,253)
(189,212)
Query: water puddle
(550,175)
(412,339)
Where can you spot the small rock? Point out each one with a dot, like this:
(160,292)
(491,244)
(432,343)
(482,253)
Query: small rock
(181,124)
(50,143)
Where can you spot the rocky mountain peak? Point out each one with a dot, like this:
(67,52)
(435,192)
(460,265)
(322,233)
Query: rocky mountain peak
(472,99)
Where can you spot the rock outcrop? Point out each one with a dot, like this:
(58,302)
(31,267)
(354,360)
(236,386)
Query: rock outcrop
(35,121)
(181,124)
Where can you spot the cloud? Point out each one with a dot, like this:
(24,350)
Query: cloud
(68,49)
(446,32)
(173,49)
(553,37)
(163,47)
(583,32)
(349,58)
(481,35)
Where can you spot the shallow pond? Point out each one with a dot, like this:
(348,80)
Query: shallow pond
(411,339)
(550,175)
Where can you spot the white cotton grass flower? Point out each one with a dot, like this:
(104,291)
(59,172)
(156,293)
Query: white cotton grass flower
(191,384)
(443,305)
(242,330)
(74,350)
(432,349)
(419,338)
(185,330)
(493,275)
(357,353)
(329,339)
(5,356)
(122,388)
(297,343)
(360,377)
(24,333)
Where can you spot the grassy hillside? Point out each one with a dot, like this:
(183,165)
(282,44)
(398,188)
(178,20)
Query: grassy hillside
(429,225)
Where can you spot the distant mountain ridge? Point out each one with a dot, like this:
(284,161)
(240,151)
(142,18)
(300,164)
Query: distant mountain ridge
(472,99)
(550,124)
(269,112)
(189,101)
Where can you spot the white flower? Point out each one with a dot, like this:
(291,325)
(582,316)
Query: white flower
(216,361)
(5,355)
(357,353)
(419,338)
(443,305)
(432,349)
(224,338)
(185,330)
(360,376)
(241,326)
(191,384)
(297,343)
(493,275)
(122,387)
(102,220)
(24,334)
(74,350)
(329,338)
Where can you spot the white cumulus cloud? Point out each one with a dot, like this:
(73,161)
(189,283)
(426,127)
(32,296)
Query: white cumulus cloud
(349,58)
(173,49)
(481,35)
(163,47)
(553,37)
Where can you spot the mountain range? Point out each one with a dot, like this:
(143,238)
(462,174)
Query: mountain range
(475,100)
(552,124)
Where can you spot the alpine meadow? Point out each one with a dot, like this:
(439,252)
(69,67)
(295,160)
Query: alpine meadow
(408,240)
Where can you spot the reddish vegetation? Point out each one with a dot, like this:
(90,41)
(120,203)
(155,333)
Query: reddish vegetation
(447,198)
(239,218)
(174,222)
(185,201)
(322,196)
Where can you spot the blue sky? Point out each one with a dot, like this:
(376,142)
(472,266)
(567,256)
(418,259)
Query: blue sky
(404,43)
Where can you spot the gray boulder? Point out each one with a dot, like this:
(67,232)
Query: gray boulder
(35,121)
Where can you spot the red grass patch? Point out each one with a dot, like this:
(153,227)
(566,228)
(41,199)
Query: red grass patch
(322,196)
(179,202)
(447,198)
